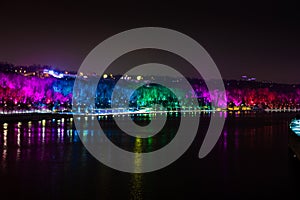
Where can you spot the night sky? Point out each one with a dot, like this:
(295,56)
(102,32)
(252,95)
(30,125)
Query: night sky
(257,40)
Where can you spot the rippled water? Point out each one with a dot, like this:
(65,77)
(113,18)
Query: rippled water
(45,159)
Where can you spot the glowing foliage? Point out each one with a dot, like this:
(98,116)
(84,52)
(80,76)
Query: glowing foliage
(17,91)
(32,92)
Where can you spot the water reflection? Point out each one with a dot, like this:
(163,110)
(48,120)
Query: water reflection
(20,138)
(4,142)
(51,148)
(136,179)
(136,192)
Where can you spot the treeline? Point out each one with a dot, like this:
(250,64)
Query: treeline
(27,92)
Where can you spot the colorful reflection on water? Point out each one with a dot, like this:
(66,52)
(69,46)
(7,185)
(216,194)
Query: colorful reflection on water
(46,157)
(20,138)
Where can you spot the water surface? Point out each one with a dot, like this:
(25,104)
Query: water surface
(45,159)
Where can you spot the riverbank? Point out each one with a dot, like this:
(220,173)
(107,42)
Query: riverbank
(31,116)
(239,117)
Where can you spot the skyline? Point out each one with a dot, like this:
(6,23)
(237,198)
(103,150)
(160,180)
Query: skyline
(257,41)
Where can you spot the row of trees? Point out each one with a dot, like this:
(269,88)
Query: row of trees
(21,92)
(28,92)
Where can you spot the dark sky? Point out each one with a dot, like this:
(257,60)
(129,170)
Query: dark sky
(254,39)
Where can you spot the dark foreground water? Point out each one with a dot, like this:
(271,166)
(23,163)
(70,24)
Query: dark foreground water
(45,159)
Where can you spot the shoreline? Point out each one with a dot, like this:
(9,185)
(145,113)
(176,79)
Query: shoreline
(36,115)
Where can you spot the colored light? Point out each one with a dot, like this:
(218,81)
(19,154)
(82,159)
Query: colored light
(295,126)
(34,92)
